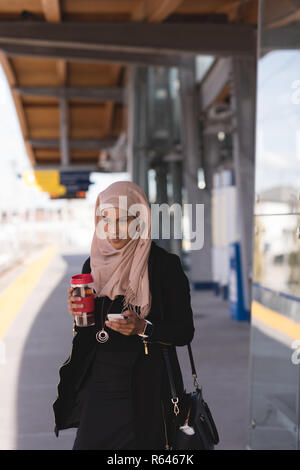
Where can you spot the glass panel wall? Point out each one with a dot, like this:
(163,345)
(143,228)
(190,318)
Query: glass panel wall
(275,311)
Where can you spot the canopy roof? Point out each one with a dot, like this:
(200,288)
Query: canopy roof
(68,86)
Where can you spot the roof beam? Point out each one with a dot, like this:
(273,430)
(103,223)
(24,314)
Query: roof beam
(167,38)
(70,167)
(284,38)
(161,9)
(154,11)
(282,14)
(93,56)
(78,144)
(230,8)
(285,20)
(62,72)
(115,94)
(51,9)
(214,82)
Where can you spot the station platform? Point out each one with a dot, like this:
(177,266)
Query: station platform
(36,337)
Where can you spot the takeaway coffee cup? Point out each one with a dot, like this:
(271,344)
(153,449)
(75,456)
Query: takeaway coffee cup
(82,287)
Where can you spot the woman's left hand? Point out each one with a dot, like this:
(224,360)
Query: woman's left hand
(132,325)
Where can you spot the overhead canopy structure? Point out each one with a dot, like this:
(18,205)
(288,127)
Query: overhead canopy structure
(69,63)
(66,63)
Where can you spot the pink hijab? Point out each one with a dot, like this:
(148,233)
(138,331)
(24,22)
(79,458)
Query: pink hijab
(123,271)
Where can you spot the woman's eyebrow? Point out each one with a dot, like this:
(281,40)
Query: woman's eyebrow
(123,217)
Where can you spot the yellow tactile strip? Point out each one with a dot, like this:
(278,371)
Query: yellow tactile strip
(275,320)
(14,296)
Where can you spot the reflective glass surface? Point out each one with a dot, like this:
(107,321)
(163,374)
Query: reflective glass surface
(278,111)
(275,311)
(275,334)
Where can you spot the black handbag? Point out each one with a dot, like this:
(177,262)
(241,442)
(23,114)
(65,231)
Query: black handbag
(193,425)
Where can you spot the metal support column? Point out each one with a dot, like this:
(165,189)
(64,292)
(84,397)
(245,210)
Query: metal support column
(201,259)
(138,126)
(132,157)
(64,137)
(173,160)
(143,125)
(162,197)
(176,175)
(210,162)
(243,92)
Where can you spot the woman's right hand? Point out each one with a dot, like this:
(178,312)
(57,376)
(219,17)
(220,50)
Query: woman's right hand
(71,305)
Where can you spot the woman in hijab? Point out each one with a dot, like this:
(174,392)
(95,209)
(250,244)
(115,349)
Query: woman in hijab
(114,385)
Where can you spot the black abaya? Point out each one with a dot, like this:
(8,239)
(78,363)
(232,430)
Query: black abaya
(107,416)
(172,317)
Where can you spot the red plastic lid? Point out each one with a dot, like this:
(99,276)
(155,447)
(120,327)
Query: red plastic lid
(81,279)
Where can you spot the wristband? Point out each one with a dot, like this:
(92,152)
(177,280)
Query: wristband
(148,329)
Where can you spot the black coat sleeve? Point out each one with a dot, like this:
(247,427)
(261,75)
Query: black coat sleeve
(178,325)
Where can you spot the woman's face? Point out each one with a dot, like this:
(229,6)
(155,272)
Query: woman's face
(116,226)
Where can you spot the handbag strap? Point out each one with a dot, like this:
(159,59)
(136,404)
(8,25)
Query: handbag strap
(194,374)
(191,359)
(169,369)
(174,398)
